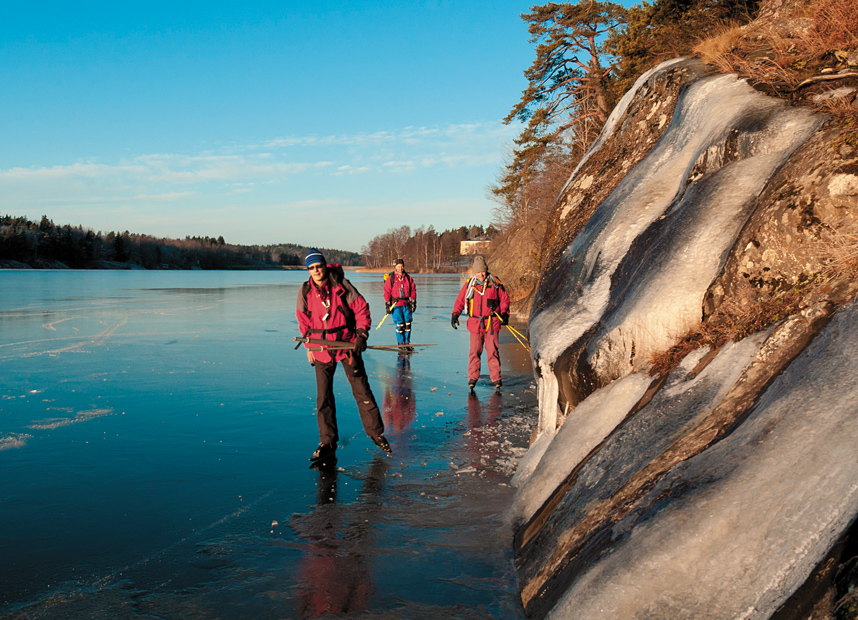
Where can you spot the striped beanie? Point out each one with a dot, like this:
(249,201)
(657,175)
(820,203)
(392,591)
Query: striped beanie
(313,257)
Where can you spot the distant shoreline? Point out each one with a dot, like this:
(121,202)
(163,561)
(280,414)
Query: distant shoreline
(117,266)
(103,265)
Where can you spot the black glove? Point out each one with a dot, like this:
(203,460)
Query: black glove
(492,304)
(504,318)
(454,321)
(413,305)
(360,341)
(388,308)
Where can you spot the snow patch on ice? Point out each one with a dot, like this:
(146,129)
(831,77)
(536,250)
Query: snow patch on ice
(81,416)
(15,440)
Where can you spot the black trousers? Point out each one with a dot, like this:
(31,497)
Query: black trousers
(326,407)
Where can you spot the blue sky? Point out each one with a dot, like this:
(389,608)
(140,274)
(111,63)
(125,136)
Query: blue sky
(266,123)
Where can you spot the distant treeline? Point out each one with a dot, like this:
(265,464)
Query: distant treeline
(46,245)
(422,249)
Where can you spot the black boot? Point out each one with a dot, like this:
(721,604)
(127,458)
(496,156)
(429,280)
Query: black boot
(324,451)
(382,443)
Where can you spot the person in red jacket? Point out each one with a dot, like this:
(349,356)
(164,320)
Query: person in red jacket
(487,304)
(400,299)
(331,308)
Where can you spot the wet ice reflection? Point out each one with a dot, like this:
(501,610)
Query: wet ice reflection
(399,406)
(335,573)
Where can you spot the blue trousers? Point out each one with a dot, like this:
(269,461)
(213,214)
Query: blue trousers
(402,320)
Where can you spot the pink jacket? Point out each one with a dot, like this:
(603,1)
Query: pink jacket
(396,287)
(332,316)
(482,301)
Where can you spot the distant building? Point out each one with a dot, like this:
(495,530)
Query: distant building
(475,245)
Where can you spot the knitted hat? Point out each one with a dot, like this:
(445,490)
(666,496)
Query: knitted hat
(313,257)
(480,264)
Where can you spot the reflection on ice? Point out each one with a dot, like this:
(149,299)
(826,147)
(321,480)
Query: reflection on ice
(335,574)
(399,403)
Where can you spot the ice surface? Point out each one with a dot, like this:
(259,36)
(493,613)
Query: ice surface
(699,195)
(200,401)
(752,515)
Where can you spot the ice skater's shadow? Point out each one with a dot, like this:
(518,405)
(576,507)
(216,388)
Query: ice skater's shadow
(334,575)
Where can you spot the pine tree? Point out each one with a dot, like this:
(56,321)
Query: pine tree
(567,82)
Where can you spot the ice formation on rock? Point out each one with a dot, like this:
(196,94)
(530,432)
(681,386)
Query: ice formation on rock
(669,225)
(750,517)
(716,490)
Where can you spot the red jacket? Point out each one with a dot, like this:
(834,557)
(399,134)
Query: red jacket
(399,289)
(346,311)
(482,301)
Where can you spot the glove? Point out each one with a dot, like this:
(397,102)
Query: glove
(360,341)
(504,318)
(454,321)
(388,307)
(413,305)
(492,304)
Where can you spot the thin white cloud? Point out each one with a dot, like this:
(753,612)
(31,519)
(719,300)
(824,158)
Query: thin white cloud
(334,140)
(347,169)
(462,145)
(76,170)
(173,194)
(167,197)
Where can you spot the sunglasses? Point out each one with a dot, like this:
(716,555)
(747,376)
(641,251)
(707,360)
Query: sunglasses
(315,267)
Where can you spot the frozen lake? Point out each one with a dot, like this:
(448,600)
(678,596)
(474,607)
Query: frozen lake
(154,435)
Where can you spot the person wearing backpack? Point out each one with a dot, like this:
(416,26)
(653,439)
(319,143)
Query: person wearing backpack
(331,308)
(486,302)
(400,299)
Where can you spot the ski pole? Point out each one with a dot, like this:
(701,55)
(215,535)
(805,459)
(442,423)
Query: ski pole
(340,345)
(515,334)
(382,320)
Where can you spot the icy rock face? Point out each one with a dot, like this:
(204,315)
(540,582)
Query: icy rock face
(717,490)
(633,280)
(749,518)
